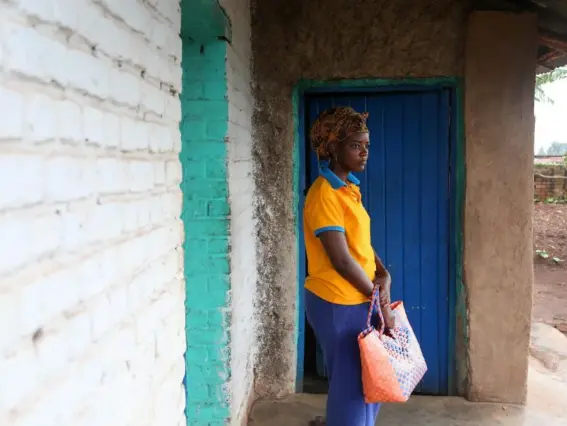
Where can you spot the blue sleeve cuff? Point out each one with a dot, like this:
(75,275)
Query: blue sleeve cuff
(329,228)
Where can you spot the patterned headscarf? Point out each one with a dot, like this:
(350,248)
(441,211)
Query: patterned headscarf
(335,125)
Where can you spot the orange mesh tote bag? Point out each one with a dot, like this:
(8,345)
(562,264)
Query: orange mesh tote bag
(392,364)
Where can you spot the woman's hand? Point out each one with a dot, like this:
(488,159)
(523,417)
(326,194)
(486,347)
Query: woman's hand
(384,284)
(389,317)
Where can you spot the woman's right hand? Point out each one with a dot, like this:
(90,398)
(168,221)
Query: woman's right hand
(389,317)
(384,283)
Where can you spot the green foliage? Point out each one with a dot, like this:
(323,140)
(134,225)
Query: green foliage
(551,200)
(547,78)
(557,148)
(543,165)
(542,253)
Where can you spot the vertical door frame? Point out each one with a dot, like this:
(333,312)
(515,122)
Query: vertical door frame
(457,299)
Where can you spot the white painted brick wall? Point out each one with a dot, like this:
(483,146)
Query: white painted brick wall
(91,289)
(243,223)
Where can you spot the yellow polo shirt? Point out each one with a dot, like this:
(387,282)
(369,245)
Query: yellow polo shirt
(333,205)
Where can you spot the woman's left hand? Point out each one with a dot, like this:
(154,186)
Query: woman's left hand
(384,283)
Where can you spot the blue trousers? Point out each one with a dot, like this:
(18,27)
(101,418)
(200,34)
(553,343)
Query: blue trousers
(336,328)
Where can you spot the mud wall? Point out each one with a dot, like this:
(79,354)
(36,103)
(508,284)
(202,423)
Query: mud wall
(498,265)
(323,40)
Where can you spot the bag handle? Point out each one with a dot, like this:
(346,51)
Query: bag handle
(375,297)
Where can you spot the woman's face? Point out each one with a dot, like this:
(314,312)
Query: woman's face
(352,153)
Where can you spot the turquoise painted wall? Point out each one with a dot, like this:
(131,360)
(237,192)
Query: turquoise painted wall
(204,21)
(205,212)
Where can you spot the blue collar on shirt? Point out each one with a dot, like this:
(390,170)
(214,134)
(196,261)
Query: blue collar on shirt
(333,179)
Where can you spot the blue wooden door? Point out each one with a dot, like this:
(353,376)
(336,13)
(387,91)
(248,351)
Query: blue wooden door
(406,191)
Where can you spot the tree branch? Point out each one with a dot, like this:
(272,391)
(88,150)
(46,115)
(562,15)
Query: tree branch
(550,177)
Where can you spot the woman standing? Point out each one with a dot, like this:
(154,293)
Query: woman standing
(343,267)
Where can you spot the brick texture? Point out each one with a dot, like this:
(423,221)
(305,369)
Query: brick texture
(242,192)
(91,307)
(220,228)
(547,186)
(206,219)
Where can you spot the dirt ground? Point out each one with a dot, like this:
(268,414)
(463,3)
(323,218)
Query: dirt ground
(550,236)
(298,409)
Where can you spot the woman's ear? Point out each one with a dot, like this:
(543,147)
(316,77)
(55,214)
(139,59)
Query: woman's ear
(333,152)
